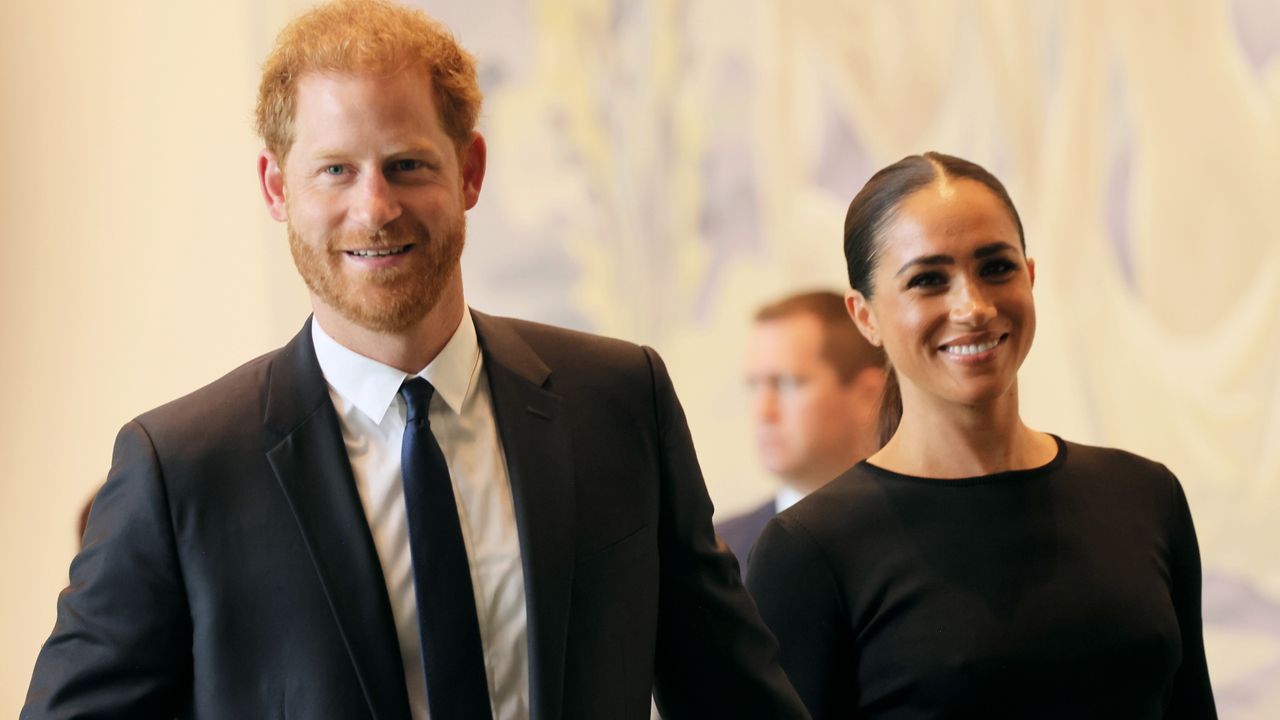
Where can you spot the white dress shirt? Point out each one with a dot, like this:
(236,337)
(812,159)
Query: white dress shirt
(365,394)
(786,497)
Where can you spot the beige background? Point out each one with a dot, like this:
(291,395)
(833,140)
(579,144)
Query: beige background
(138,262)
(657,170)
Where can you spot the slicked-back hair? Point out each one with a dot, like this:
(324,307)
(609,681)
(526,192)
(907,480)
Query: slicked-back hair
(877,203)
(843,347)
(871,211)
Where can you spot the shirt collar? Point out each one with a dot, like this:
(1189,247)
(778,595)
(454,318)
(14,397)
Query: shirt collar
(787,496)
(372,386)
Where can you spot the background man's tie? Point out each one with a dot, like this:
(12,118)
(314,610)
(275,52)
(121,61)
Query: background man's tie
(451,650)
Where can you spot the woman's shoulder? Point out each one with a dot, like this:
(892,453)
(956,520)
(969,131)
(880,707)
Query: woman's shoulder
(813,543)
(1114,464)
(831,510)
(1080,454)
(1118,478)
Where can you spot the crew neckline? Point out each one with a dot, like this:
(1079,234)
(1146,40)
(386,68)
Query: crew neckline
(1006,476)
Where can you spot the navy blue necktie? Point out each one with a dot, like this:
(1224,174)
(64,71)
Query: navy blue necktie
(452,654)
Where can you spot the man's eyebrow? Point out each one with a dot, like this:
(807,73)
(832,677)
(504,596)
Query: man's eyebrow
(423,149)
(327,155)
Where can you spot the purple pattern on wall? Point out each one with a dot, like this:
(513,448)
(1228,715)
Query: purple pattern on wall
(1257,27)
(1233,602)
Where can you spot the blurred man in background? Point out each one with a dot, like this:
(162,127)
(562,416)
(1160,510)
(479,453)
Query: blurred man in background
(815,385)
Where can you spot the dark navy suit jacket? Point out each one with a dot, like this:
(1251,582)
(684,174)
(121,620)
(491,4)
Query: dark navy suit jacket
(229,572)
(740,532)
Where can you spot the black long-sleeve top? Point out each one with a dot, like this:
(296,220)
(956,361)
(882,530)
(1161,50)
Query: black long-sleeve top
(1071,590)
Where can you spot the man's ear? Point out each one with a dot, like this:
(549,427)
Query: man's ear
(271,180)
(1031,270)
(863,316)
(472,162)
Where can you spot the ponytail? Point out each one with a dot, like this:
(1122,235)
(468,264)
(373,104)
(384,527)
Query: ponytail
(890,405)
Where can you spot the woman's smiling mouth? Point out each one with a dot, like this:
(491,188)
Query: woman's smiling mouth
(972,350)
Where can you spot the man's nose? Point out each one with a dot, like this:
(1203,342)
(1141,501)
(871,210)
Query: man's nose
(971,306)
(375,204)
(766,402)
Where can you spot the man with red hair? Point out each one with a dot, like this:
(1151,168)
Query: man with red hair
(413,509)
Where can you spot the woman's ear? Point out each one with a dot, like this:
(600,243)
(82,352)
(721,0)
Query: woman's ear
(863,316)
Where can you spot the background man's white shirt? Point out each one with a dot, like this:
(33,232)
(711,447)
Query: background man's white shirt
(786,497)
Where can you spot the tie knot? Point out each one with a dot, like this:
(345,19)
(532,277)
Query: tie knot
(417,394)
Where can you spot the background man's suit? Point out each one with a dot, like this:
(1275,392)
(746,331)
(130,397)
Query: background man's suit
(740,532)
(229,570)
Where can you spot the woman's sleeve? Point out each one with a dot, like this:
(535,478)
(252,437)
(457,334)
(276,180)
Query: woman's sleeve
(800,601)
(1191,695)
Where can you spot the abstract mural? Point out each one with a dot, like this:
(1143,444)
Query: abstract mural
(660,168)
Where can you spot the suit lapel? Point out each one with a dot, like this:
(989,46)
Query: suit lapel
(535,441)
(314,472)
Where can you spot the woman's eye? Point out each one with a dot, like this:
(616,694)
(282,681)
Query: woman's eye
(998,268)
(927,280)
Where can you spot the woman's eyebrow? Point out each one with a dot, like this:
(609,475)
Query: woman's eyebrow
(994,248)
(926,260)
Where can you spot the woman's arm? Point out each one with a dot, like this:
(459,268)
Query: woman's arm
(799,598)
(1191,695)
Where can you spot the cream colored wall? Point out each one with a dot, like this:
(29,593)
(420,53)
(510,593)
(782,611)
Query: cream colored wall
(137,262)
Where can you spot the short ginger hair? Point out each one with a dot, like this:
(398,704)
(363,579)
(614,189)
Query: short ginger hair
(366,36)
(843,347)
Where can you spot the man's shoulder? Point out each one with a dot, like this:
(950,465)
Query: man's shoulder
(754,518)
(584,357)
(232,405)
(740,532)
(554,339)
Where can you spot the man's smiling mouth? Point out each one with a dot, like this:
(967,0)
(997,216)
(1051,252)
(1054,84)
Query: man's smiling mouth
(379,252)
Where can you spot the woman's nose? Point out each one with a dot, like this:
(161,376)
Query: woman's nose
(971,306)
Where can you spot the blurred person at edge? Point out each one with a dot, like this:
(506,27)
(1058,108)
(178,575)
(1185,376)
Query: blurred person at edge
(815,386)
(973,566)
(413,509)
(82,520)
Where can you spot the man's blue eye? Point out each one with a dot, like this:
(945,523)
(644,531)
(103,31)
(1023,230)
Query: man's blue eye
(334,170)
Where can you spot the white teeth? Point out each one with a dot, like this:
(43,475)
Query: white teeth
(972,349)
(383,252)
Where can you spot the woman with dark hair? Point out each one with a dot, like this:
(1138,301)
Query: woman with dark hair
(973,566)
